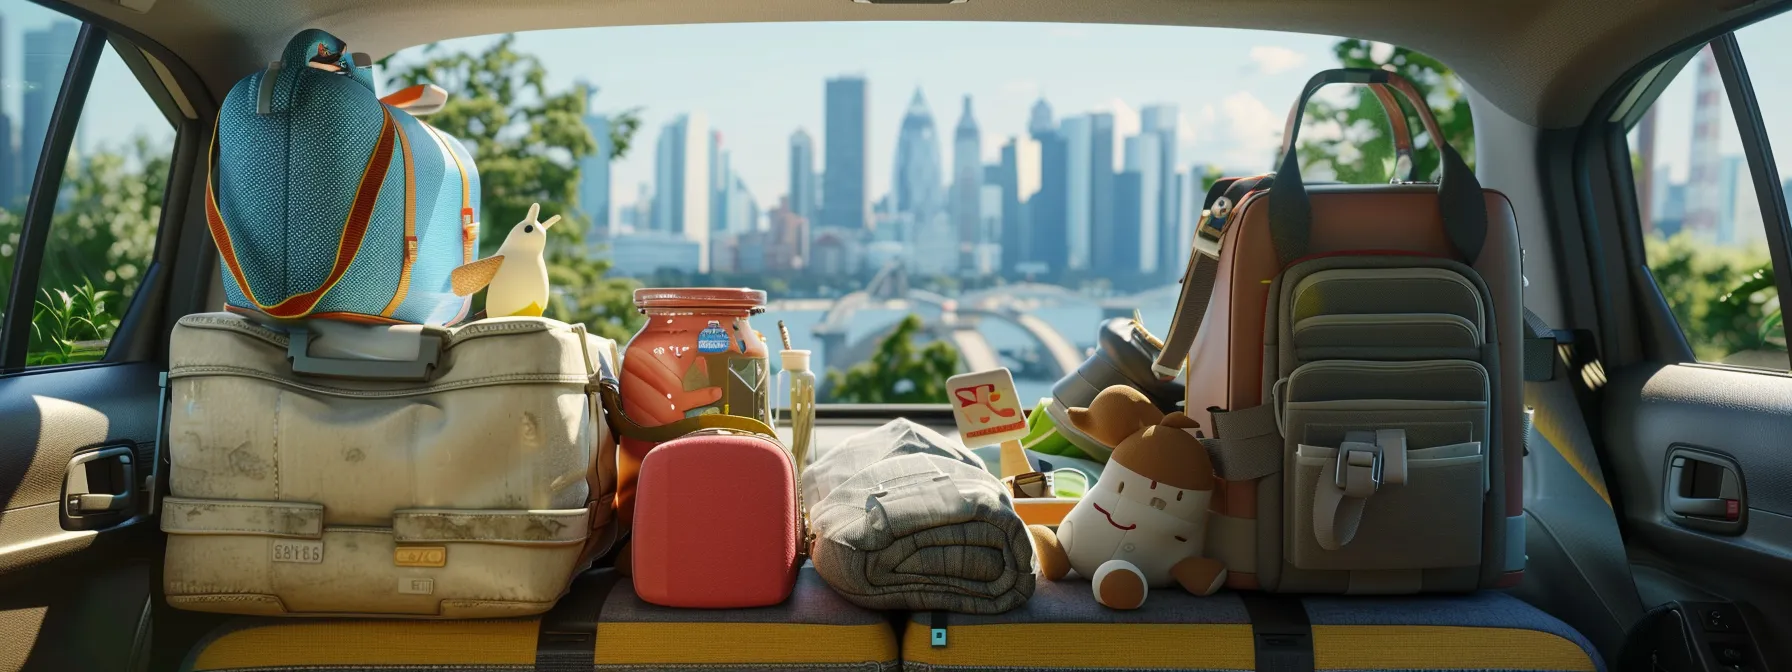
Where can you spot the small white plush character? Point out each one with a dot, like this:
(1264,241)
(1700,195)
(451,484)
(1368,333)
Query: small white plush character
(516,278)
(1144,523)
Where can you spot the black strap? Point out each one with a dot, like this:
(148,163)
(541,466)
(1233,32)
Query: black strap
(936,628)
(1284,638)
(1459,198)
(567,641)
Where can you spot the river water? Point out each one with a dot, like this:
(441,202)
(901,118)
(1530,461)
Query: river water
(1076,320)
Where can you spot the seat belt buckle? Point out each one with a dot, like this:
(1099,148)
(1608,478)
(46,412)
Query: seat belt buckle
(937,630)
(1207,234)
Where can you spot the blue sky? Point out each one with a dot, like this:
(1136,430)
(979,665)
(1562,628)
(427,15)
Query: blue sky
(759,82)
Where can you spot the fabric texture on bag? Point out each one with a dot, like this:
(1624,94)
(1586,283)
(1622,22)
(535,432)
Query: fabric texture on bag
(921,526)
(478,492)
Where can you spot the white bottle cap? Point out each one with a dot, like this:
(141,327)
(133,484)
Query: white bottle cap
(794,360)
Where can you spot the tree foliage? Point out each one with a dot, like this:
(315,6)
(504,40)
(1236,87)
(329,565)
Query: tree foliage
(527,139)
(101,239)
(1362,148)
(899,372)
(1723,297)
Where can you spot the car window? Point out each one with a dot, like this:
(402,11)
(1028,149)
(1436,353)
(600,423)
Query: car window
(1767,48)
(1704,235)
(908,216)
(108,197)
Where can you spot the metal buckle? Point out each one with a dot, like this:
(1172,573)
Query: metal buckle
(1339,479)
(1207,236)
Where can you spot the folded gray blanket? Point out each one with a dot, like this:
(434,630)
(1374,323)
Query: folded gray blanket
(919,525)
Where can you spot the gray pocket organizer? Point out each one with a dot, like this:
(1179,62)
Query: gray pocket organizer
(1429,516)
(1385,336)
(1381,291)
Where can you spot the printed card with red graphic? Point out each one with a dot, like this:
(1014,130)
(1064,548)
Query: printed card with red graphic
(986,407)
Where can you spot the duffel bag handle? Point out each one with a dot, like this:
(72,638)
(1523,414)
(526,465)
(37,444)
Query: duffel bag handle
(1396,120)
(622,424)
(422,368)
(1459,198)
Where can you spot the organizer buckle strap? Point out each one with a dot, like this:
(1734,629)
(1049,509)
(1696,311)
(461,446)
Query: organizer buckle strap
(1365,462)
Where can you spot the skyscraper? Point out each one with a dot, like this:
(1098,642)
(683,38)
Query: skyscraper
(1703,195)
(917,181)
(594,178)
(9,156)
(682,189)
(1160,120)
(1144,156)
(967,185)
(802,198)
(1020,182)
(844,202)
(1079,183)
(721,184)
(1048,246)
(1040,120)
(1120,261)
(46,59)
(1102,225)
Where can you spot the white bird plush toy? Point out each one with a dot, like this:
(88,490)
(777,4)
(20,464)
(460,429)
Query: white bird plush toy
(516,277)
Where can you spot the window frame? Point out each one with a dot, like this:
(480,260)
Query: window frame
(183,100)
(34,234)
(1662,338)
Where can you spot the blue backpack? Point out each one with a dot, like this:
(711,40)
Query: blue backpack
(327,202)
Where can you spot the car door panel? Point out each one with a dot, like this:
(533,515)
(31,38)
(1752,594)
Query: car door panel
(1745,416)
(70,598)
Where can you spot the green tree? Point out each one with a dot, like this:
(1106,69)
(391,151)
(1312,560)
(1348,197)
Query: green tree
(1723,296)
(100,242)
(899,372)
(1363,151)
(527,139)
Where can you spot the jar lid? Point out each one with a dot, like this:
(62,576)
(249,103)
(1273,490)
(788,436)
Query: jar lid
(737,298)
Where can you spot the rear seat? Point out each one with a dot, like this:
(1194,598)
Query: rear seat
(1061,627)
(814,630)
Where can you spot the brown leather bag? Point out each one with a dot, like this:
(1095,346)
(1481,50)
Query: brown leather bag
(1355,353)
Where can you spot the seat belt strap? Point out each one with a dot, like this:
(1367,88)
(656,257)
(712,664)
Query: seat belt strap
(567,641)
(1283,635)
(1202,274)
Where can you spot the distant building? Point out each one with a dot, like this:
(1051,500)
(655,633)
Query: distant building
(1143,156)
(1101,191)
(594,179)
(643,254)
(1078,185)
(802,198)
(844,201)
(933,247)
(1048,245)
(986,252)
(1039,121)
(721,183)
(1020,181)
(9,156)
(967,185)
(1161,121)
(1731,171)
(788,231)
(916,181)
(835,252)
(1130,198)
(46,61)
(682,175)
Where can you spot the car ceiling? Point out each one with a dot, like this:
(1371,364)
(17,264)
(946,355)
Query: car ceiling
(1545,62)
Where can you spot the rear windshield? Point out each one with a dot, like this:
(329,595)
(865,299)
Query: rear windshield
(917,199)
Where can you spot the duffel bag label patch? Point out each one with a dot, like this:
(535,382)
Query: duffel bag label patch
(420,556)
(297,550)
(415,586)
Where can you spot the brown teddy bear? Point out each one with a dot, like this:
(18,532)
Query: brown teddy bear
(1143,524)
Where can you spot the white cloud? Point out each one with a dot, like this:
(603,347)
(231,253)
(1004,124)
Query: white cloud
(1272,60)
(1240,134)
(1380,52)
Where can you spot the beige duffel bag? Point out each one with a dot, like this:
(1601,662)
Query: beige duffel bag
(336,469)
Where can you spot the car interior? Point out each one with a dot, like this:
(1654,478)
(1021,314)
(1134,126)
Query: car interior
(1657,494)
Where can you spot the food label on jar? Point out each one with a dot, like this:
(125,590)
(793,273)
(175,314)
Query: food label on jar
(713,338)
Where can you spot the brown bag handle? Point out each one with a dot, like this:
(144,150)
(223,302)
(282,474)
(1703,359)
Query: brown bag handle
(619,420)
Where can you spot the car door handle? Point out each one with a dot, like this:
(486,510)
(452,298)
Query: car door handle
(1703,490)
(103,481)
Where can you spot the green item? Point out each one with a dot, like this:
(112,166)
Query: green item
(1043,436)
(1069,483)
